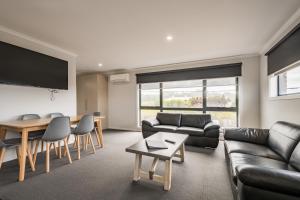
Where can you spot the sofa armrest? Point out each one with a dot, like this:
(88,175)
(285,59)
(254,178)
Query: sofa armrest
(150,122)
(277,180)
(212,125)
(252,135)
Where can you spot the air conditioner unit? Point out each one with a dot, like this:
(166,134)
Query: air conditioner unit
(119,78)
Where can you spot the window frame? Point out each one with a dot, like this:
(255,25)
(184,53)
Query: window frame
(204,108)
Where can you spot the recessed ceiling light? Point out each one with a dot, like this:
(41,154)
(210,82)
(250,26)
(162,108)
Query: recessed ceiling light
(169,38)
(100,64)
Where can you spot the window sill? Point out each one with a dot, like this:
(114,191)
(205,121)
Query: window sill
(285,97)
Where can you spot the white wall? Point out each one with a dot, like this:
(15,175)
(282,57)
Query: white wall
(275,109)
(123,103)
(17,100)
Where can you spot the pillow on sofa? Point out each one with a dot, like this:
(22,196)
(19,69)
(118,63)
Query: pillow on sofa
(195,120)
(169,119)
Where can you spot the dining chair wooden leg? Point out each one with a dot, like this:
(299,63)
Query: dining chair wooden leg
(29,145)
(75,143)
(78,147)
(59,150)
(55,148)
(29,155)
(83,142)
(86,141)
(47,157)
(98,138)
(35,151)
(67,150)
(91,141)
(2,156)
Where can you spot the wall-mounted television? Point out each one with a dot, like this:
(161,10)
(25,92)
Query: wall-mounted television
(19,66)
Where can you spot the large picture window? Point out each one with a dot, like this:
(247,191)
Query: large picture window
(218,97)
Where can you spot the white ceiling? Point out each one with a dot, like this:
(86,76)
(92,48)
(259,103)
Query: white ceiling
(124,34)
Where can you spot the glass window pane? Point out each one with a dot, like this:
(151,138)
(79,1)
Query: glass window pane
(183,84)
(183,111)
(148,114)
(150,94)
(183,94)
(183,98)
(221,81)
(289,82)
(149,86)
(226,119)
(221,96)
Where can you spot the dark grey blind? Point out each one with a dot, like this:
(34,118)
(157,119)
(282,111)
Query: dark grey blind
(217,71)
(285,52)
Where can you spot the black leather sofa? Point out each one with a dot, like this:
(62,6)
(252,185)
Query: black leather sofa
(264,164)
(202,131)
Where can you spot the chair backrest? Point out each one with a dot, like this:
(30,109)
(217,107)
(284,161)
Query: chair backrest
(53,115)
(29,116)
(58,129)
(97,114)
(85,125)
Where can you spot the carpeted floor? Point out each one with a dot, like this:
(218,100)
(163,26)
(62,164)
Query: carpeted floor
(107,175)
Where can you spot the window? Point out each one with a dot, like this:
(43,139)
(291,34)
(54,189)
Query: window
(215,96)
(285,83)
(150,94)
(183,94)
(221,93)
(289,82)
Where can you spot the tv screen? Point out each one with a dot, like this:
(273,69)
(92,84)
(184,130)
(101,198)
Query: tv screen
(19,66)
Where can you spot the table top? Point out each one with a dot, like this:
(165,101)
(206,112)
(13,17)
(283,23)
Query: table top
(39,122)
(164,154)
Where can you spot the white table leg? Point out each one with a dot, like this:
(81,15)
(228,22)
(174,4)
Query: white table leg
(137,167)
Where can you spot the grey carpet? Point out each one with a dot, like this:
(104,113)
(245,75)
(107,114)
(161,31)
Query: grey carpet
(107,175)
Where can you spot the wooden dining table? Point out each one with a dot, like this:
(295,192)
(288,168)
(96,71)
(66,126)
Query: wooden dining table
(26,127)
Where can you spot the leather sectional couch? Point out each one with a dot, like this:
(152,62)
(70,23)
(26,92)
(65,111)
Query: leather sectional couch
(202,131)
(264,164)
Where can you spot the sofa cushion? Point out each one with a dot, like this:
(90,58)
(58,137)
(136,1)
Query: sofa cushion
(283,138)
(169,119)
(191,131)
(237,159)
(195,120)
(249,148)
(166,128)
(251,135)
(295,157)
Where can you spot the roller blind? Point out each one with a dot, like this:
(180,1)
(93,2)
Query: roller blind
(217,71)
(285,52)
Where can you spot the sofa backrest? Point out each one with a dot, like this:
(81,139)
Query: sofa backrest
(295,158)
(283,138)
(169,118)
(195,120)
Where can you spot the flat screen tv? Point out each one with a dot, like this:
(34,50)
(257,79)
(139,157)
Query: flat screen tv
(19,66)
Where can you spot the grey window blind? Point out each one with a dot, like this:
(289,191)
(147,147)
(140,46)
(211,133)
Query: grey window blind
(285,52)
(217,71)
